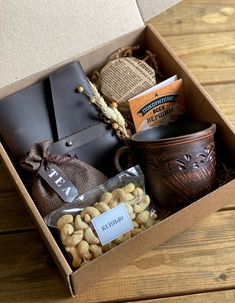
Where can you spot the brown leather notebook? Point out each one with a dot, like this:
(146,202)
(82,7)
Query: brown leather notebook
(52,110)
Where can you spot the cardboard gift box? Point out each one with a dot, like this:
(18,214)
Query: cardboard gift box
(38,39)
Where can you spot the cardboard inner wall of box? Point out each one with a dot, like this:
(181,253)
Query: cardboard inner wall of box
(196,99)
(199,106)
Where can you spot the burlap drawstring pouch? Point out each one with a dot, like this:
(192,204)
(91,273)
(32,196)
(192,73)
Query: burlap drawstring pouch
(58,179)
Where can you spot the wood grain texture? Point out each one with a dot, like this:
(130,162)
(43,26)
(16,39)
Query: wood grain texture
(14,215)
(6,185)
(226,296)
(209,56)
(196,17)
(200,259)
(224,97)
(28,273)
(229,207)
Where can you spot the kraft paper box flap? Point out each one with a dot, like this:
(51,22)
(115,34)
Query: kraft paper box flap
(38,34)
(151,8)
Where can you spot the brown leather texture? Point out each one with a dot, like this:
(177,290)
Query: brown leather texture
(52,110)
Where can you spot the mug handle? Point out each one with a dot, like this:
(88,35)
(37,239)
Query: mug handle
(120,152)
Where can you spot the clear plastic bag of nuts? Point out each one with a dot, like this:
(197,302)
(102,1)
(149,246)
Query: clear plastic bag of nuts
(75,221)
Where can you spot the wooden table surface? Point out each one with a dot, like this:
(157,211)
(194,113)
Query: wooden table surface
(196,266)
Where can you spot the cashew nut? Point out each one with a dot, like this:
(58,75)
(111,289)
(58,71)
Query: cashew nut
(91,211)
(135,200)
(102,207)
(150,222)
(129,188)
(112,204)
(64,220)
(142,226)
(87,218)
(154,216)
(136,231)
(83,250)
(129,210)
(123,238)
(96,250)
(74,253)
(135,224)
(106,197)
(78,237)
(85,263)
(66,231)
(90,237)
(142,205)
(142,217)
(107,247)
(138,191)
(79,224)
(75,238)
(129,197)
(119,194)
(132,216)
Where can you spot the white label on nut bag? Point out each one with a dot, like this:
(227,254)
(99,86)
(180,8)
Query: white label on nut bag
(112,224)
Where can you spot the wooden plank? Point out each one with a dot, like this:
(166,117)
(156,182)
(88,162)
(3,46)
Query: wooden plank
(13,215)
(28,272)
(226,296)
(6,185)
(196,16)
(210,57)
(200,259)
(224,97)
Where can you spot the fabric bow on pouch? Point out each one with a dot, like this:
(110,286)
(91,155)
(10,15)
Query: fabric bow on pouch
(58,179)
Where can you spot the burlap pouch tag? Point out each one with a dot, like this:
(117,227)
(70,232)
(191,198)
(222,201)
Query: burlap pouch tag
(64,170)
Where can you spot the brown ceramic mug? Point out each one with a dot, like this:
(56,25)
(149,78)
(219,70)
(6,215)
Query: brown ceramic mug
(178,161)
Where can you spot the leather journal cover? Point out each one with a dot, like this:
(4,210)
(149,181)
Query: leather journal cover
(52,110)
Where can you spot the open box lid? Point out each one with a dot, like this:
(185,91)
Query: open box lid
(39,34)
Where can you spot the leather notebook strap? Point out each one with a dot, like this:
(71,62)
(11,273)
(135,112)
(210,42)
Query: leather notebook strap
(72,111)
(68,144)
